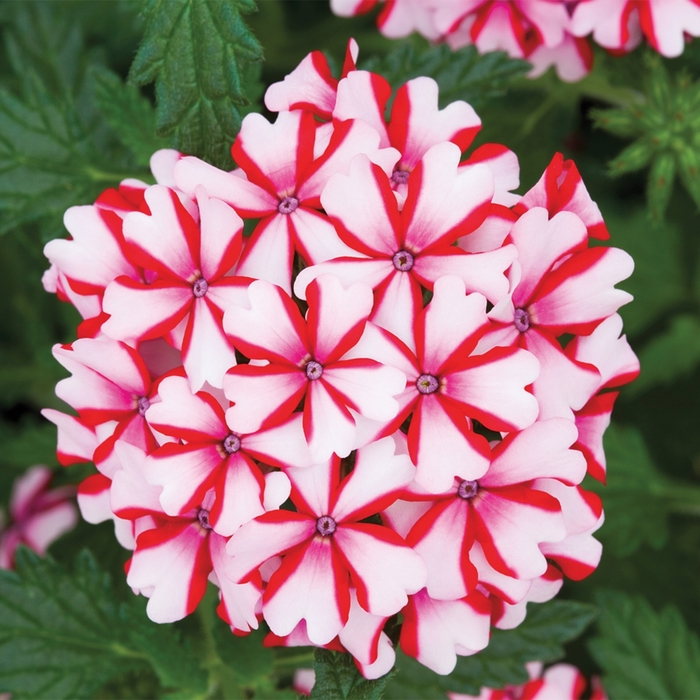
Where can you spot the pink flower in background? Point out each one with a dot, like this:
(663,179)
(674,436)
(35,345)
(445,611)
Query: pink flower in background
(38,515)
(558,682)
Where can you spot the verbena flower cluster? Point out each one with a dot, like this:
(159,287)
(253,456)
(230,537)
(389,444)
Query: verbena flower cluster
(334,381)
(545,32)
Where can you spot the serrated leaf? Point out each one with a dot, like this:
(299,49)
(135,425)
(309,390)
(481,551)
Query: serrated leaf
(670,355)
(130,115)
(538,638)
(462,75)
(645,654)
(337,678)
(55,149)
(63,635)
(198,52)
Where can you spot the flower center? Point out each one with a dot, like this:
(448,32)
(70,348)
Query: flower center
(200,287)
(403,260)
(143,405)
(427,384)
(314,370)
(400,177)
(203,517)
(468,489)
(232,443)
(521,318)
(288,205)
(325,525)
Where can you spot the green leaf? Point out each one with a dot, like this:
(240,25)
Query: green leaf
(665,125)
(64,635)
(538,638)
(461,75)
(337,678)
(670,355)
(637,497)
(55,148)
(645,654)
(199,53)
(130,115)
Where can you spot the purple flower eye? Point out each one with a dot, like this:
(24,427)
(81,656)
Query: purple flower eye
(288,205)
(325,525)
(200,288)
(521,319)
(427,384)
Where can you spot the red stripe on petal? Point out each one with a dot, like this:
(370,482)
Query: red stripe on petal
(200,572)
(97,483)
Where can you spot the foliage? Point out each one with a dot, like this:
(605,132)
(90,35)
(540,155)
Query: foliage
(201,56)
(461,75)
(667,130)
(62,634)
(337,678)
(638,499)
(644,653)
(539,638)
(55,149)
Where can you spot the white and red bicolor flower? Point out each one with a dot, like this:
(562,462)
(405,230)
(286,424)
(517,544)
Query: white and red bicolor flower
(578,554)
(175,556)
(398,251)
(619,24)
(109,382)
(283,169)
(327,548)
(211,454)
(38,516)
(76,441)
(559,682)
(436,632)
(95,254)
(311,85)
(362,637)
(448,386)
(558,286)
(612,355)
(307,360)
(190,260)
(507,615)
(514,26)
(561,188)
(502,510)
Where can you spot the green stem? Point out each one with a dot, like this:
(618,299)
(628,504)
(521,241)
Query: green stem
(681,497)
(222,679)
(297,660)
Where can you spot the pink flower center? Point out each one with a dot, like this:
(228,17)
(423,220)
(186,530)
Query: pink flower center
(143,405)
(468,489)
(232,443)
(288,205)
(427,384)
(203,517)
(403,260)
(521,319)
(400,177)
(325,526)
(313,370)
(200,287)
